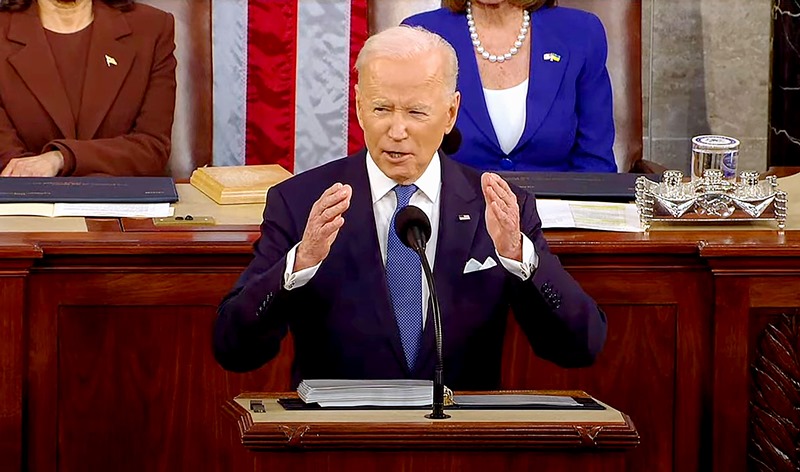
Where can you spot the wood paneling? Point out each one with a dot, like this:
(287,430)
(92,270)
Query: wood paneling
(12,291)
(15,259)
(124,360)
(774,415)
(107,365)
(751,288)
(148,368)
(641,339)
(439,461)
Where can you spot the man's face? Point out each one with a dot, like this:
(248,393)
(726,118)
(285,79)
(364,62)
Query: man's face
(405,110)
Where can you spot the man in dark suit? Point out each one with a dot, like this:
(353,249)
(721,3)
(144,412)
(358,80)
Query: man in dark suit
(329,267)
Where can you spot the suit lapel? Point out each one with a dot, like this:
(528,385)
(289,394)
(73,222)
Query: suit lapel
(35,65)
(545,76)
(458,197)
(108,64)
(469,82)
(362,247)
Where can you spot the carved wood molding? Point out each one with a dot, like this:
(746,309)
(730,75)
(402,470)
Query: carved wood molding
(421,436)
(774,443)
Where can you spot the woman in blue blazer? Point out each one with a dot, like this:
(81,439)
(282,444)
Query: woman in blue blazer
(536,95)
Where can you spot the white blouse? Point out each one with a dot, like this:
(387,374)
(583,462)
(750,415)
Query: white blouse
(507,109)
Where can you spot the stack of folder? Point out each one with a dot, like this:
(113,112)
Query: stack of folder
(134,197)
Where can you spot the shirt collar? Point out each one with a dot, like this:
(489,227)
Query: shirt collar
(429,182)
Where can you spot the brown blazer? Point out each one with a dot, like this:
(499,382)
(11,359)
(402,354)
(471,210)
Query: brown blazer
(125,119)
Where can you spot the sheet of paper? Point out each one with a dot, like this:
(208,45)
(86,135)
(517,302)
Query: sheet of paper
(605,216)
(37,224)
(26,209)
(555,213)
(114,210)
(518,399)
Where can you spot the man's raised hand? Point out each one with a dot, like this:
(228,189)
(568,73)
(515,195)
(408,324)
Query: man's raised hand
(323,226)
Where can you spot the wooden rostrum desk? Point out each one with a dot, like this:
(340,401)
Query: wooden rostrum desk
(596,438)
(106,360)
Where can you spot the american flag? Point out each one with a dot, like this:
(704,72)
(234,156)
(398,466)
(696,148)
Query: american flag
(283,80)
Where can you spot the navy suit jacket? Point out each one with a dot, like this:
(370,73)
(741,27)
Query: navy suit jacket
(342,320)
(570,117)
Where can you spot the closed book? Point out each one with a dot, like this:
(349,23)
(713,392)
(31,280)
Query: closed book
(596,186)
(88,190)
(238,184)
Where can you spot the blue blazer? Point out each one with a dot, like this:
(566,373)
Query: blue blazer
(342,320)
(570,118)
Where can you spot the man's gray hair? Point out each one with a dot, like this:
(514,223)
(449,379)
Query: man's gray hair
(406,42)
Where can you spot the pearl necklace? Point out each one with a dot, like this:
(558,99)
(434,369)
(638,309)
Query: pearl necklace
(473,33)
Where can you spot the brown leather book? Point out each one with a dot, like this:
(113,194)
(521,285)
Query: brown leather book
(238,184)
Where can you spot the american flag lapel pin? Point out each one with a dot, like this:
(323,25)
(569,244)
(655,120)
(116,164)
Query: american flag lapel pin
(110,61)
(463,217)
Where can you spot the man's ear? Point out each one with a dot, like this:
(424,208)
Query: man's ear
(452,111)
(358,107)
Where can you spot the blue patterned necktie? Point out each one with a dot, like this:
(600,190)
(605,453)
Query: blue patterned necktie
(404,277)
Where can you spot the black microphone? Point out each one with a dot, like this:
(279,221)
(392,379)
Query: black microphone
(414,229)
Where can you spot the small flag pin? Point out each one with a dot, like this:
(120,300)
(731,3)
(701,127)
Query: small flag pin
(552,57)
(463,217)
(110,61)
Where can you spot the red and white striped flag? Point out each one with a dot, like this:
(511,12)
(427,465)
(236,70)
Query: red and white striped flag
(283,80)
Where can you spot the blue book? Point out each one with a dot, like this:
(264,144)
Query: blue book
(596,186)
(88,190)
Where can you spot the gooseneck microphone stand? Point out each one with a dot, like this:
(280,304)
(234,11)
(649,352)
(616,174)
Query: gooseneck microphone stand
(414,229)
(438,377)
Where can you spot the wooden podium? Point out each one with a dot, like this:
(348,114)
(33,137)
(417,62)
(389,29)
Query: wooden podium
(384,440)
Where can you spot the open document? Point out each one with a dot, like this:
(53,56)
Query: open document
(604,216)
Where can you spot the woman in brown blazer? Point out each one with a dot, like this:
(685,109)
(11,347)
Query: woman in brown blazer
(86,87)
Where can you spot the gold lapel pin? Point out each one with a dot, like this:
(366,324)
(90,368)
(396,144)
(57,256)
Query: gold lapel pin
(110,61)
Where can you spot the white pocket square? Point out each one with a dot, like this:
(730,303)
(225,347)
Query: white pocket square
(474,266)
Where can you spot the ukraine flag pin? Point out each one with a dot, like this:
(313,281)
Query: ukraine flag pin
(551,57)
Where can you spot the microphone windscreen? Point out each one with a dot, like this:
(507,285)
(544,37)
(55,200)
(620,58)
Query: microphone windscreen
(408,218)
(451,141)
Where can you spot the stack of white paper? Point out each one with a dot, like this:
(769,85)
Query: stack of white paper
(605,216)
(338,393)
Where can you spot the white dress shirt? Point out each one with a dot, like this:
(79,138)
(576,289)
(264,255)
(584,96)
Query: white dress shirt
(384,201)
